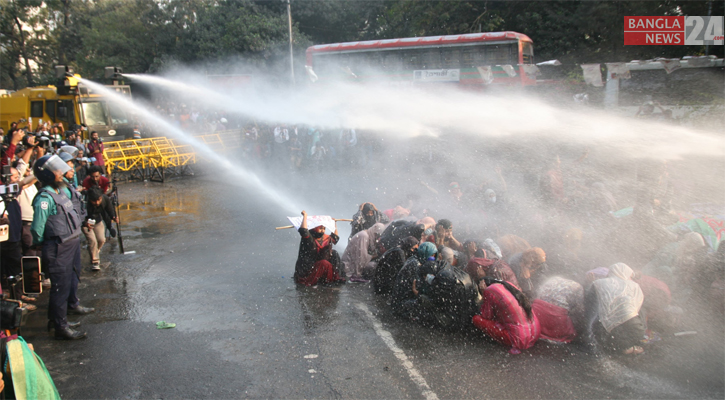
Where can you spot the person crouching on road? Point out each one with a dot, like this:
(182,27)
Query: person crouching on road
(507,316)
(56,227)
(101,212)
(317,262)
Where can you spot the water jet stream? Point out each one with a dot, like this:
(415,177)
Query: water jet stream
(412,112)
(236,171)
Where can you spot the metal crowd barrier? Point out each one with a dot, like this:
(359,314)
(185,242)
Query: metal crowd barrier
(157,158)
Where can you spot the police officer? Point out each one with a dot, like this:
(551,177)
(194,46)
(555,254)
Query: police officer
(57,227)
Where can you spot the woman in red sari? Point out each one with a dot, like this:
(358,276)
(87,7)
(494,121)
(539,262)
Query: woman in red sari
(506,316)
(317,262)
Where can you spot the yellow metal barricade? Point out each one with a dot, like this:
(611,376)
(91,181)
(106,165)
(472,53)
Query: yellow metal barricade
(127,156)
(153,158)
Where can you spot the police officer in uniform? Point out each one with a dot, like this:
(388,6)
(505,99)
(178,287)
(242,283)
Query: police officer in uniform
(57,228)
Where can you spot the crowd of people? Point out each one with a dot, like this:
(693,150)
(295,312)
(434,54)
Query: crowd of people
(294,147)
(576,270)
(55,192)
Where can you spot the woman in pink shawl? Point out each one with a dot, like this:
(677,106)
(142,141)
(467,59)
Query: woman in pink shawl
(361,249)
(507,317)
(559,306)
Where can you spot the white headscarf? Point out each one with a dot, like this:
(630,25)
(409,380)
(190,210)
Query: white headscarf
(620,298)
(361,249)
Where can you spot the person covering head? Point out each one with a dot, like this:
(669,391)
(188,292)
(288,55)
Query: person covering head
(366,217)
(368,209)
(318,231)
(448,255)
(426,250)
(620,298)
(409,243)
(361,249)
(429,222)
(691,242)
(445,224)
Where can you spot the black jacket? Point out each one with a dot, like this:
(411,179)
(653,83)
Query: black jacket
(105,212)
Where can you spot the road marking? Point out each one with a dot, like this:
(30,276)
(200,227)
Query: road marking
(399,354)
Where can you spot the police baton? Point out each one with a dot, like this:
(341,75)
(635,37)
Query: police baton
(118,215)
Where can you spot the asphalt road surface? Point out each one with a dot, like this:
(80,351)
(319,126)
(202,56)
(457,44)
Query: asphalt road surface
(208,259)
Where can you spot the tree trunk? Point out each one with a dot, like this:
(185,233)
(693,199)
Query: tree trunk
(24,53)
(62,45)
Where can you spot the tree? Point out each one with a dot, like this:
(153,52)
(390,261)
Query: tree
(16,19)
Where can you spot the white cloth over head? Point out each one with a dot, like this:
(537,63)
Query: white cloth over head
(619,297)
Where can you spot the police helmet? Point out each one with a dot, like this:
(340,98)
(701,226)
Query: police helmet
(65,156)
(46,167)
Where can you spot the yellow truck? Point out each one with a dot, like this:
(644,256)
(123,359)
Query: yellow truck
(70,103)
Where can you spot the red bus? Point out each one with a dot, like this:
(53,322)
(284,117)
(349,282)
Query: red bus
(492,58)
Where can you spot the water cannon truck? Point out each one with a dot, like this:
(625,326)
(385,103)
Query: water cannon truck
(70,103)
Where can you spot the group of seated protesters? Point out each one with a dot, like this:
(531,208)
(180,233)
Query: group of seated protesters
(504,287)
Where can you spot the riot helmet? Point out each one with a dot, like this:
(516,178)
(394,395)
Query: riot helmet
(46,168)
(72,150)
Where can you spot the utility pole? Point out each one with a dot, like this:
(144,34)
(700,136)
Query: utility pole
(709,14)
(291,56)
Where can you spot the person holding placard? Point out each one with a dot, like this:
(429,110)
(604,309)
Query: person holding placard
(317,261)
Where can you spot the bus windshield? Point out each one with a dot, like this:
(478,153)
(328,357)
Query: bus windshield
(94,113)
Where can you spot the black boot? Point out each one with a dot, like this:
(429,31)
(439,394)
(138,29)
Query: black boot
(76,324)
(80,310)
(68,334)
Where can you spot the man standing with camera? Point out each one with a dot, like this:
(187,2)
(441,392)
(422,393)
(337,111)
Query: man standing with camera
(57,218)
(95,149)
(12,250)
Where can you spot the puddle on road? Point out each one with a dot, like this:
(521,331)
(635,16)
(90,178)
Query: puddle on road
(152,210)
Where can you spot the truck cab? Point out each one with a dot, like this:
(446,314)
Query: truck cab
(78,106)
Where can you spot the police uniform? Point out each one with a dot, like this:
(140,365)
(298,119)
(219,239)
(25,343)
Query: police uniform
(57,226)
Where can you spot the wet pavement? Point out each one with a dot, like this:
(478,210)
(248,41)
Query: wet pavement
(207,258)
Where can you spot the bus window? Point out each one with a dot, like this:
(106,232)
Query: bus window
(373,60)
(500,54)
(480,57)
(468,57)
(528,50)
(118,114)
(94,113)
(319,64)
(392,61)
(50,109)
(36,109)
(431,58)
(451,57)
(356,62)
(342,61)
(411,59)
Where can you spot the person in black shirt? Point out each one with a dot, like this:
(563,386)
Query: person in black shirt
(99,209)
(317,262)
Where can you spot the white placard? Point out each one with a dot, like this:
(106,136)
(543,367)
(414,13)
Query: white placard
(313,221)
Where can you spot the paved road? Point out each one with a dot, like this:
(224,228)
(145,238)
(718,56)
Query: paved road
(208,260)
